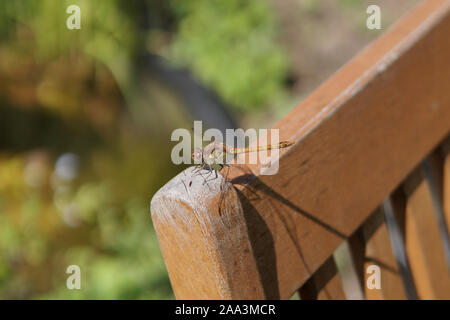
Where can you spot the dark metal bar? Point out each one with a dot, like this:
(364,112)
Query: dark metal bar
(398,247)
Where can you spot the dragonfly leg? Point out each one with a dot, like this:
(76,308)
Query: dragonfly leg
(197,171)
(224,188)
(198,168)
(209,174)
(225,181)
(228,171)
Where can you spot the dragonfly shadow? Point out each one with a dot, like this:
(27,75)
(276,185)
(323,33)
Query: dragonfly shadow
(263,247)
(254,184)
(261,237)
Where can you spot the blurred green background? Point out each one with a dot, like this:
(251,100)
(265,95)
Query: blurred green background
(86,117)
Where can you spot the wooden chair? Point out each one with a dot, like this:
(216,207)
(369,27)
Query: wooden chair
(370,167)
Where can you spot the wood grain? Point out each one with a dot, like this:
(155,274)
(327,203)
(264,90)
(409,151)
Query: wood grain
(357,137)
(208,253)
(325,284)
(423,241)
(432,168)
(371,245)
(446,180)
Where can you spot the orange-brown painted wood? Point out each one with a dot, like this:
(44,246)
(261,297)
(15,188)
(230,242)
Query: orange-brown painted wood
(208,253)
(446,180)
(325,284)
(371,246)
(423,241)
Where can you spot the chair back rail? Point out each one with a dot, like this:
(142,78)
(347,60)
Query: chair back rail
(359,138)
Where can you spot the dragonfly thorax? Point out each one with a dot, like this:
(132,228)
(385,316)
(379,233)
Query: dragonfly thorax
(197,155)
(211,154)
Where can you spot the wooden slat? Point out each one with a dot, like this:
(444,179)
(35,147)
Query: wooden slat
(433,170)
(371,245)
(325,284)
(446,180)
(423,241)
(357,137)
(209,253)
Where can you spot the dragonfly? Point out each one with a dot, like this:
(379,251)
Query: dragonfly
(213,156)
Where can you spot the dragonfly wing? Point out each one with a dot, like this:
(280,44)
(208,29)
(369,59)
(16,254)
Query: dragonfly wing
(216,166)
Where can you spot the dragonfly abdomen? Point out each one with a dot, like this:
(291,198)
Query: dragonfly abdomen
(282,144)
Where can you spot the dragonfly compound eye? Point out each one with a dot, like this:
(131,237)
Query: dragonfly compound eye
(197,154)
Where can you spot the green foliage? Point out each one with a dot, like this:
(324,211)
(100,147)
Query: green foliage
(310,6)
(107,33)
(231,47)
(351,3)
(128,264)
(92,223)
(104,27)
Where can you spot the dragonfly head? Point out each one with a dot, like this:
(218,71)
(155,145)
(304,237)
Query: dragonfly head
(197,155)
